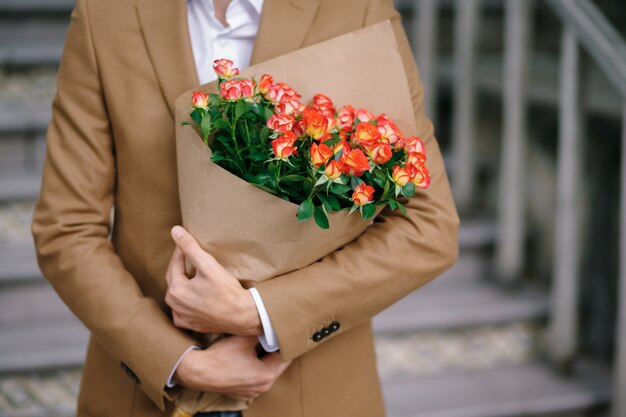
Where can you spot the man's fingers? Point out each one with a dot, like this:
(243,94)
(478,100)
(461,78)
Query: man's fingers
(190,247)
(274,360)
(176,269)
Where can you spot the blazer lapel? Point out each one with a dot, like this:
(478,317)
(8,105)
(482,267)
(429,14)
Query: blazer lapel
(166,34)
(283,27)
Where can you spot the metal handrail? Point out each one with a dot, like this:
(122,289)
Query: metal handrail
(601,40)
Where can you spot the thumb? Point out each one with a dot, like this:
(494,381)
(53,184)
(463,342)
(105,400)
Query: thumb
(189,246)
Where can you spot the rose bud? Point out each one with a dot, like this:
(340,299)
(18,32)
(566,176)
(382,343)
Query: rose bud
(364,115)
(298,127)
(231,90)
(402,176)
(415,144)
(343,146)
(280,123)
(422,177)
(320,154)
(345,118)
(274,94)
(320,100)
(283,145)
(247,88)
(224,68)
(200,100)
(363,194)
(389,132)
(315,123)
(265,83)
(416,159)
(333,170)
(365,134)
(380,152)
(289,92)
(289,106)
(355,162)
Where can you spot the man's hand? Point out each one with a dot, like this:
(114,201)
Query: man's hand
(212,300)
(231,367)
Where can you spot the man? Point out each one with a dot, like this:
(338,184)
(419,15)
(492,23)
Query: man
(111,144)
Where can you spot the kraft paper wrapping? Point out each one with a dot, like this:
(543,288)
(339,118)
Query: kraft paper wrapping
(254,234)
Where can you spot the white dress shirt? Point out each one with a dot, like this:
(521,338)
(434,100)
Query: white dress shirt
(210,40)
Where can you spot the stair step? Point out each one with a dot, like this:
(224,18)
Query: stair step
(527,390)
(32,41)
(444,305)
(18,265)
(23,116)
(19,186)
(37,331)
(38,6)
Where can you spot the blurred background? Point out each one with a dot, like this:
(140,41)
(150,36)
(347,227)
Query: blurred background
(528,99)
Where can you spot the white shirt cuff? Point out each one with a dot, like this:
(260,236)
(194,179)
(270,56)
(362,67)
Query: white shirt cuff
(171,383)
(268,339)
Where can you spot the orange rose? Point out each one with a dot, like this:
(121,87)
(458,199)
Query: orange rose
(355,162)
(274,93)
(416,159)
(224,68)
(415,144)
(334,169)
(247,88)
(265,83)
(342,146)
(380,152)
(345,118)
(320,154)
(365,134)
(364,115)
(283,146)
(289,92)
(231,90)
(422,177)
(402,176)
(280,123)
(389,132)
(315,123)
(200,100)
(322,100)
(363,194)
(289,106)
(298,127)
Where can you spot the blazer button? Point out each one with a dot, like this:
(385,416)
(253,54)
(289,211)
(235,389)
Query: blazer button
(326,331)
(334,326)
(317,336)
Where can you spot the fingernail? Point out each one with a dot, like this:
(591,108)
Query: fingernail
(177,232)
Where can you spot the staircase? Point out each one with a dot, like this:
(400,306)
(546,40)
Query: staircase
(462,346)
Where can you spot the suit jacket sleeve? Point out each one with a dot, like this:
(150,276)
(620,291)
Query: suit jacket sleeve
(71,224)
(393,257)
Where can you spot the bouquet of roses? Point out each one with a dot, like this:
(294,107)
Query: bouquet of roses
(322,159)
(254,162)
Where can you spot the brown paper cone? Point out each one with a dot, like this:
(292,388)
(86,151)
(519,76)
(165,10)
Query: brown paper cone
(254,234)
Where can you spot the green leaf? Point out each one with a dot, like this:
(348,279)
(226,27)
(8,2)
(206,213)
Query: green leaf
(340,188)
(408,190)
(240,108)
(292,177)
(268,112)
(320,217)
(368,210)
(205,127)
(401,207)
(221,124)
(330,202)
(186,123)
(307,186)
(323,179)
(354,181)
(305,211)
(264,188)
(393,204)
(196,115)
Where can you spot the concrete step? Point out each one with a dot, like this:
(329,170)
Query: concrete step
(18,265)
(17,185)
(37,331)
(527,390)
(446,304)
(32,41)
(36,6)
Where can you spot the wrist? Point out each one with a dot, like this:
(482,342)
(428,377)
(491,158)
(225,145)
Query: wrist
(186,371)
(250,323)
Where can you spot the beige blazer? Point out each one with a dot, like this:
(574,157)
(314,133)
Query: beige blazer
(111,144)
